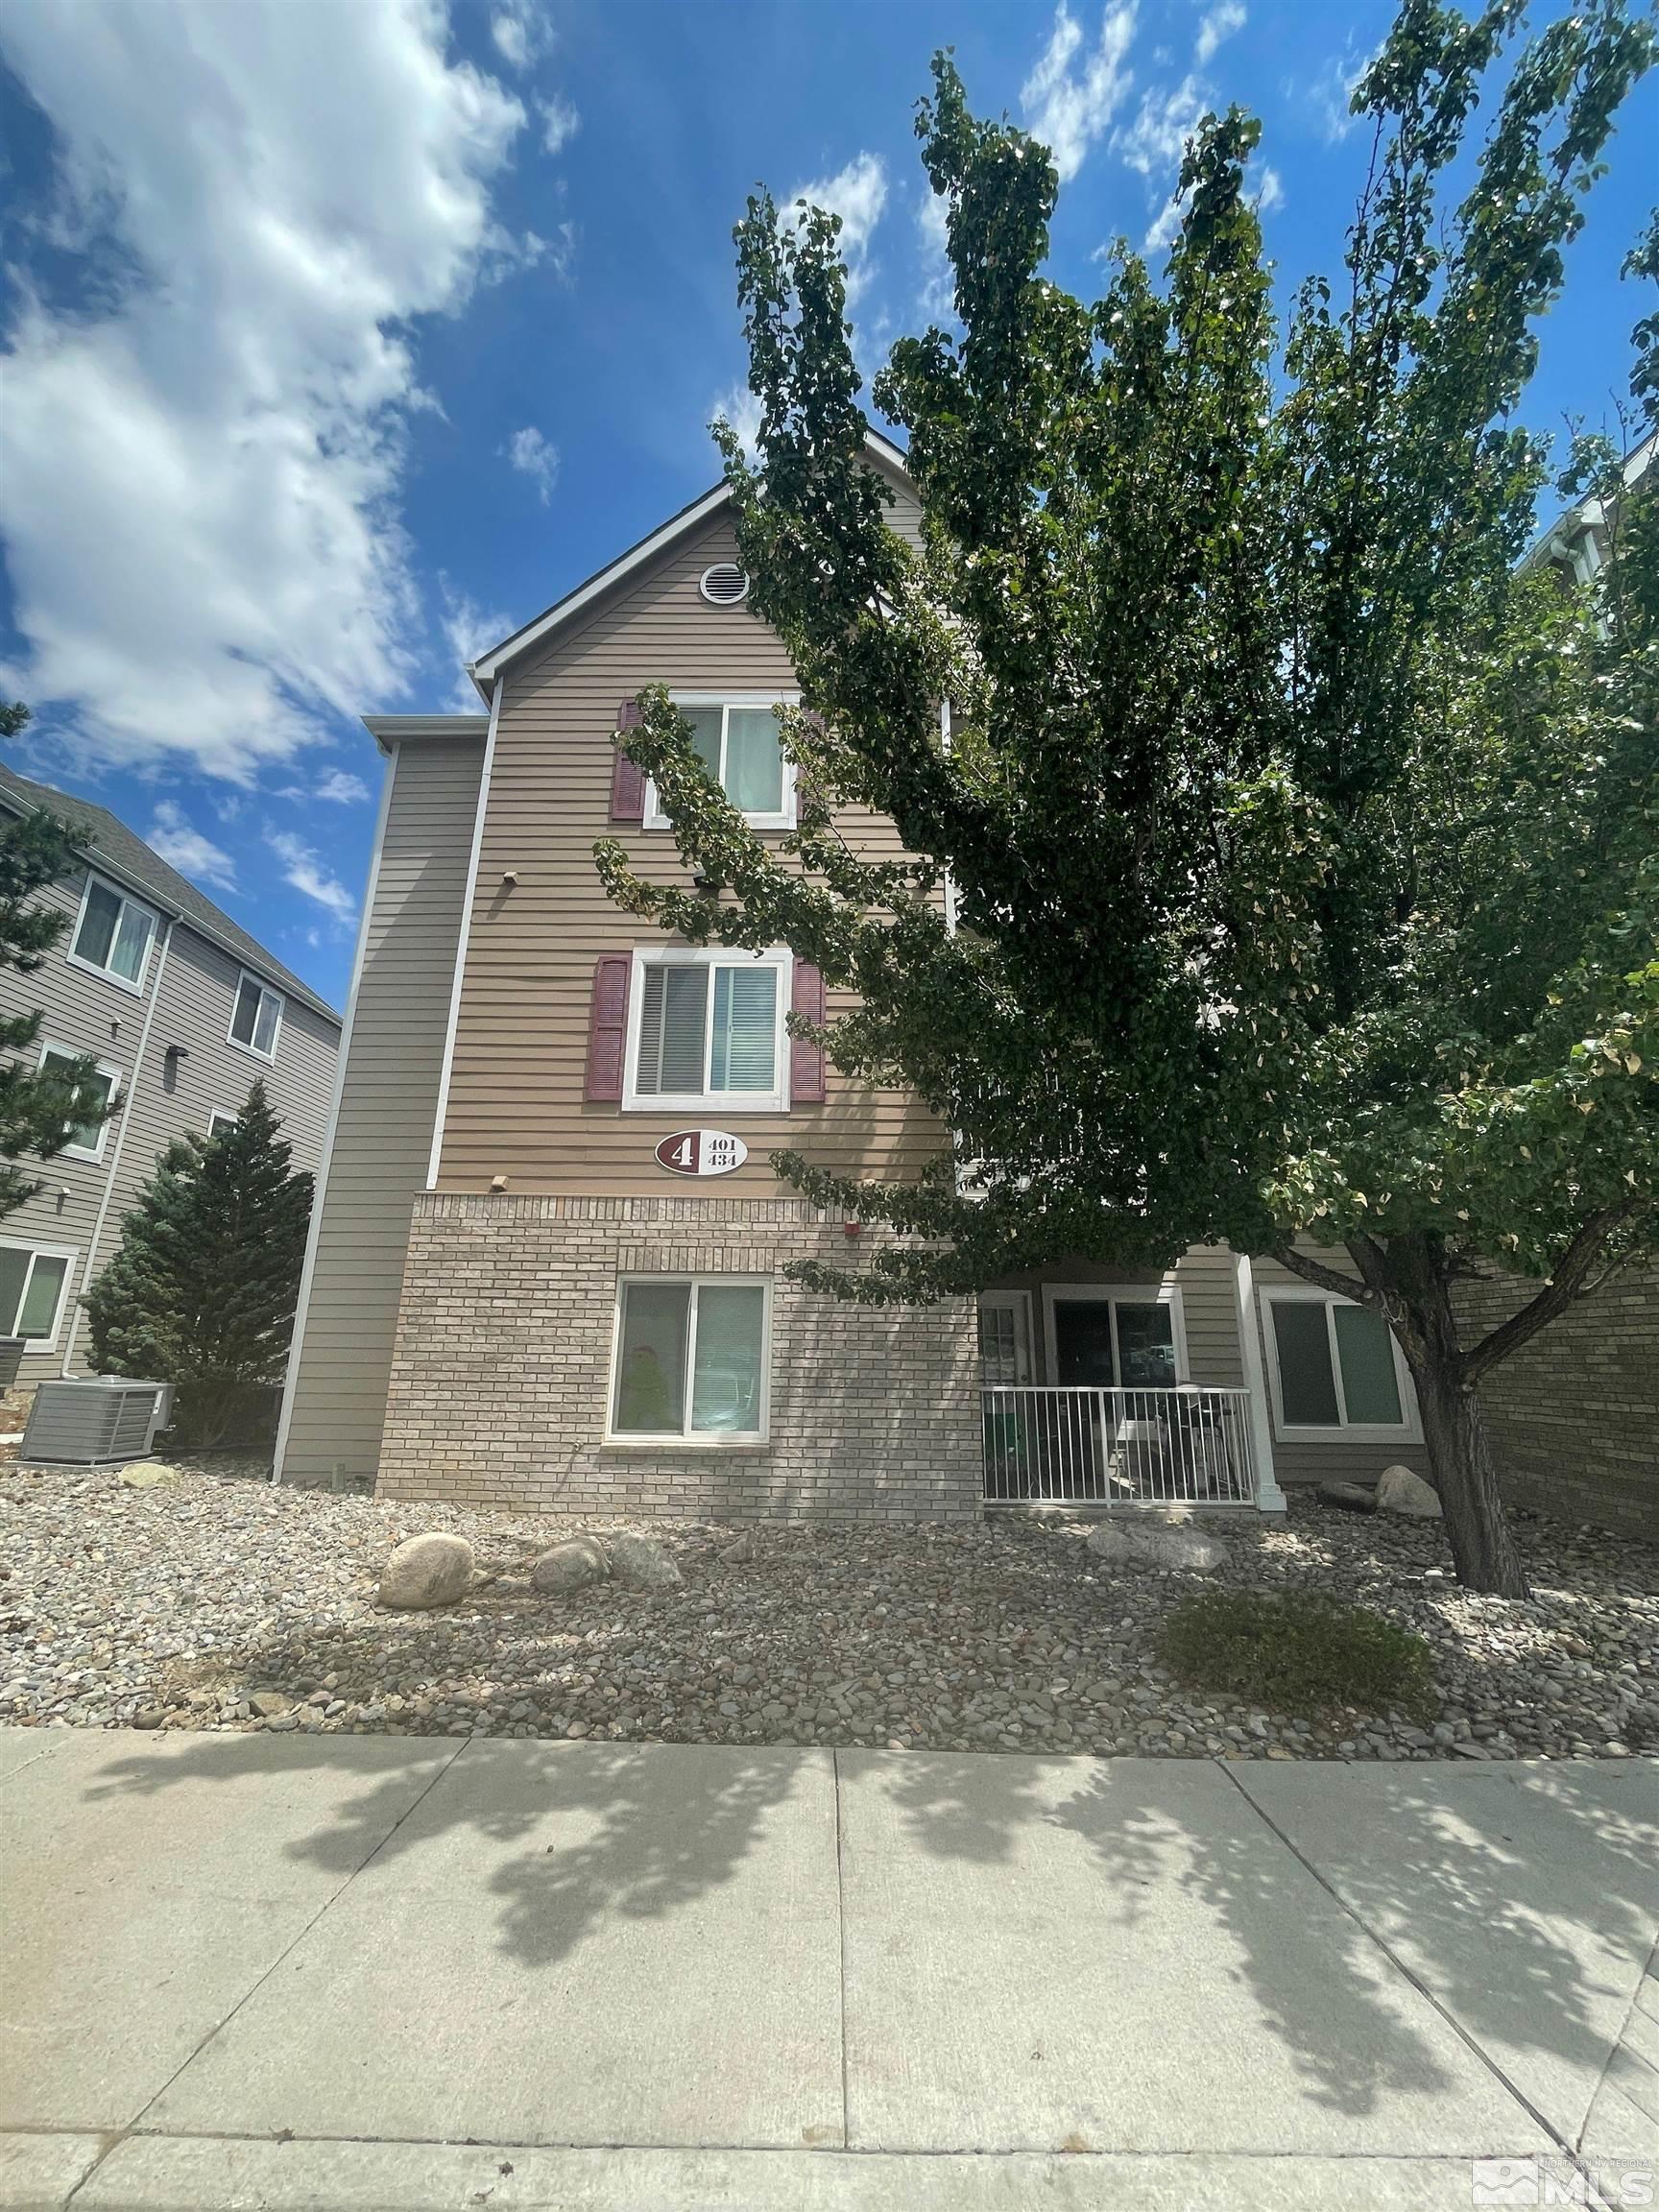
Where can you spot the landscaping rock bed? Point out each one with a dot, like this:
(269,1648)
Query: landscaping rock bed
(211,1601)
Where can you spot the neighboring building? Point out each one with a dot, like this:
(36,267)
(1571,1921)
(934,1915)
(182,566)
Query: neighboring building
(182,1011)
(510,1298)
(1579,543)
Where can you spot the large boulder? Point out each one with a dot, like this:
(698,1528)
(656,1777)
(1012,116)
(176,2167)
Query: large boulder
(1400,1491)
(427,1571)
(572,1565)
(641,1563)
(1156,1543)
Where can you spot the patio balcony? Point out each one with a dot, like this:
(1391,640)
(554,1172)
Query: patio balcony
(1189,1444)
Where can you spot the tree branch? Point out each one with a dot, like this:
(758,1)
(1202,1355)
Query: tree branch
(1566,1285)
(1326,1278)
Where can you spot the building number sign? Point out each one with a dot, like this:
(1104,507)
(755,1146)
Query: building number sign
(701,1152)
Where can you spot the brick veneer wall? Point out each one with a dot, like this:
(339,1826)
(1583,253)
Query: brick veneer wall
(502,1360)
(1574,1415)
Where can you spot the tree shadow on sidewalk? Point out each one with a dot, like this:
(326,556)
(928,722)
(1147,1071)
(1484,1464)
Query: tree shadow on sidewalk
(562,1836)
(1524,1897)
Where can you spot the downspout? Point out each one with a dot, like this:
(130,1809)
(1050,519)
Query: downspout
(92,1268)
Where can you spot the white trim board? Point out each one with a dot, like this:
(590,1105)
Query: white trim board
(465,939)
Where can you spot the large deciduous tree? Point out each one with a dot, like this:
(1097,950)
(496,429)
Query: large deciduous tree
(1283,846)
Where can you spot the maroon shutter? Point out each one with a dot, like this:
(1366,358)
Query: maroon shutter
(608,1026)
(627,778)
(805,1058)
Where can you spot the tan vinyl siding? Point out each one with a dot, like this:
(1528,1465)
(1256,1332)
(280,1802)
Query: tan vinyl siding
(388,1104)
(193,986)
(516,1104)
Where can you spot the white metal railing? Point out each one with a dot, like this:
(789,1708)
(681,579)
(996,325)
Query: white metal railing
(1190,1444)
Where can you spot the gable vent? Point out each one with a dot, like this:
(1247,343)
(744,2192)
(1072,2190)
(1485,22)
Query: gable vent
(725,584)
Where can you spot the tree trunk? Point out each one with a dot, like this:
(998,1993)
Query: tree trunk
(1410,1279)
(1454,1425)
(1461,1464)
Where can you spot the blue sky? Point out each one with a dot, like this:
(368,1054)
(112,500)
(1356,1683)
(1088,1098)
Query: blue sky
(343,337)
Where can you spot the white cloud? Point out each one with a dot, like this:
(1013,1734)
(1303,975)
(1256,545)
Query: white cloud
(1068,107)
(201,469)
(560,124)
(185,849)
(469,629)
(339,788)
(1155,141)
(305,872)
(741,408)
(938,300)
(858,194)
(536,457)
(1333,88)
(1225,19)
(1161,233)
(521,33)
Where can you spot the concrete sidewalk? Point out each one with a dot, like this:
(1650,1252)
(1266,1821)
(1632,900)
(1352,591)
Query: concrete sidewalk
(348,1972)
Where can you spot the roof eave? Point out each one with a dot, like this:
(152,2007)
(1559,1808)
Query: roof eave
(389,730)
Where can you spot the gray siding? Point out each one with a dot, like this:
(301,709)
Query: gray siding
(191,986)
(387,1106)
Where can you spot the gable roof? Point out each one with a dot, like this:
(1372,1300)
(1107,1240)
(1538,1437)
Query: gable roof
(115,850)
(485,669)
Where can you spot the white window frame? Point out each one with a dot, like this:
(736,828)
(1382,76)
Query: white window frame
(221,1114)
(1018,1303)
(67,1252)
(1166,1293)
(95,1152)
(786,819)
(677,1103)
(91,967)
(1408,1429)
(251,1050)
(690,1439)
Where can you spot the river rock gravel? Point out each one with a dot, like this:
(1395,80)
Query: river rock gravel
(211,1601)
